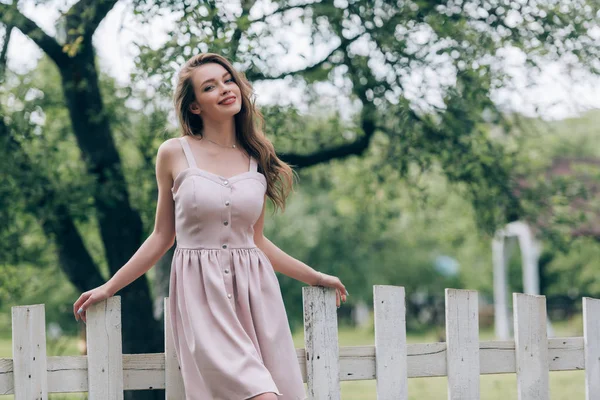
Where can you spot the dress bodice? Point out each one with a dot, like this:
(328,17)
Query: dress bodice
(214,212)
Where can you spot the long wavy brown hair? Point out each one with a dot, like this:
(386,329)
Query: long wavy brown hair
(249,124)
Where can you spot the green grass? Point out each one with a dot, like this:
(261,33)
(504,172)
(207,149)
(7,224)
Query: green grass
(567,385)
(563,386)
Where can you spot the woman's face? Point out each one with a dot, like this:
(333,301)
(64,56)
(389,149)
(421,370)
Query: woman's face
(213,84)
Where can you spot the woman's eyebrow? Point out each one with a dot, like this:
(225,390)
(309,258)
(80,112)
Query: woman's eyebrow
(212,79)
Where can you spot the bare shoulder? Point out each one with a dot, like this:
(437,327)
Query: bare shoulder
(168,150)
(169,147)
(167,153)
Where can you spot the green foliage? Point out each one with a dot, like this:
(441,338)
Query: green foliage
(462,42)
(575,272)
(364,222)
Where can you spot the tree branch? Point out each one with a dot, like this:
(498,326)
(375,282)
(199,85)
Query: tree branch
(368,117)
(343,151)
(11,16)
(4,51)
(282,10)
(252,75)
(355,148)
(237,34)
(88,14)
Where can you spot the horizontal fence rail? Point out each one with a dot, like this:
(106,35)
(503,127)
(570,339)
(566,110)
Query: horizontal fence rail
(105,372)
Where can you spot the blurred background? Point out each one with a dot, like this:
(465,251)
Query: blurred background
(418,129)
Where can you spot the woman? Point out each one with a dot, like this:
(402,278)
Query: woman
(229,324)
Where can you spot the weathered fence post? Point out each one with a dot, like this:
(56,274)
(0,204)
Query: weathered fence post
(591,339)
(531,346)
(390,342)
(29,352)
(462,344)
(321,343)
(104,350)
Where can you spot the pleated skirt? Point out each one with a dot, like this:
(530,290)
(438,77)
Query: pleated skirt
(230,326)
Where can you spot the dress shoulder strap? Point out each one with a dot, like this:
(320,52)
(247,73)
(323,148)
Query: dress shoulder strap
(188,152)
(253,165)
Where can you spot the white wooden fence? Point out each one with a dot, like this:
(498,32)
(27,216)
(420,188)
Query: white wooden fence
(105,372)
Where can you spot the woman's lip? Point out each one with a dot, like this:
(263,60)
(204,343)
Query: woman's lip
(228,100)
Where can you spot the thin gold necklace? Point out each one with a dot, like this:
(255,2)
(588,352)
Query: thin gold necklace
(219,144)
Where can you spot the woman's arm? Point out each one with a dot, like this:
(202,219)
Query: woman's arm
(288,265)
(162,237)
(153,248)
(281,261)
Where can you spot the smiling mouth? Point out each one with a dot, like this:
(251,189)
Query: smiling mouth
(228,101)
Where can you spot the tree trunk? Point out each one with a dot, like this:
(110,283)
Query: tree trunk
(120,225)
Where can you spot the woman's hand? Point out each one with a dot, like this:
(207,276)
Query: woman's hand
(87,299)
(334,282)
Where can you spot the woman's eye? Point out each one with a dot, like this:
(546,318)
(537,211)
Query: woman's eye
(208,87)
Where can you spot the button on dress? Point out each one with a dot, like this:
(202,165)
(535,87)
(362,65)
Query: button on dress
(229,323)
